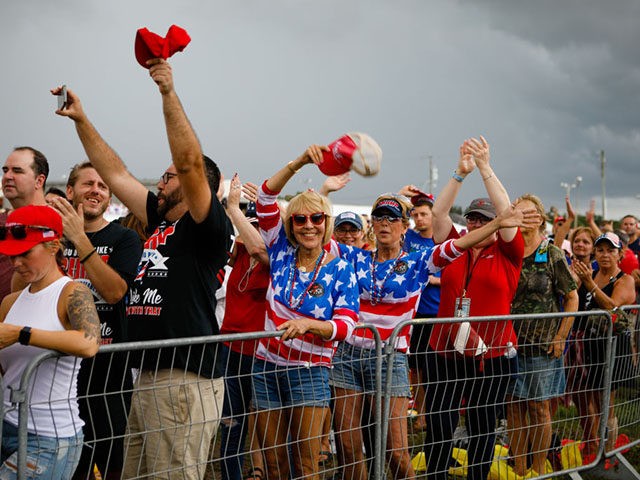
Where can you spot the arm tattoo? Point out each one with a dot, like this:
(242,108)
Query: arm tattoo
(83,315)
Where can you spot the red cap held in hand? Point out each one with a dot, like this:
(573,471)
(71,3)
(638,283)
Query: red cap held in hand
(353,151)
(150,45)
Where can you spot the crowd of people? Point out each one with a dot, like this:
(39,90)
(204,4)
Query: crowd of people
(323,289)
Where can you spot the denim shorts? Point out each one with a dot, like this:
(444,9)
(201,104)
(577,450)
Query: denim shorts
(354,368)
(276,386)
(538,378)
(48,458)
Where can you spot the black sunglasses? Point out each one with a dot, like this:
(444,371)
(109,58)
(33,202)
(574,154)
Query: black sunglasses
(388,218)
(19,232)
(300,219)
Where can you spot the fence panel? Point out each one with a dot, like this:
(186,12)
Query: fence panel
(462,423)
(623,426)
(145,404)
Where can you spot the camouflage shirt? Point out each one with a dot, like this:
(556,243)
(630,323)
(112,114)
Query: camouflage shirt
(544,280)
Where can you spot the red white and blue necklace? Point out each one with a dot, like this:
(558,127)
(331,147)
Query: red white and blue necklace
(295,303)
(376,288)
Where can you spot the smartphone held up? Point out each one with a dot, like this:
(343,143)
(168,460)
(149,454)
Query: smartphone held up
(62,98)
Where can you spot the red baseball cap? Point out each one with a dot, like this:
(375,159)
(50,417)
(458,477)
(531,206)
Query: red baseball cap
(150,45)
(422,198)
(353,151)
(28,226)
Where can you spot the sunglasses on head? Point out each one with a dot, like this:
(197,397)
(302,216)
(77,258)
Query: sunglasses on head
(388,218)
(19,232)
(300,219)
(166,176)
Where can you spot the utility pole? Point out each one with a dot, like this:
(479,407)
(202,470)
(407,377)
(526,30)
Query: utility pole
(602,179)
(433,175)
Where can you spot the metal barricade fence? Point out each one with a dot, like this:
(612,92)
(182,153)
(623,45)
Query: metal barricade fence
(142,427)
(591,364)
(164,410)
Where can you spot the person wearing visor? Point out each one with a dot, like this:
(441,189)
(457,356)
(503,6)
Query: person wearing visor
(607,288)
(479,281)
(51,313)
(313,299)
(348,229)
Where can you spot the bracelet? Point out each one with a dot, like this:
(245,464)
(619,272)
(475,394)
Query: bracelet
(290,167)
(86,257)
(593,290)
(457,177)
(487,177)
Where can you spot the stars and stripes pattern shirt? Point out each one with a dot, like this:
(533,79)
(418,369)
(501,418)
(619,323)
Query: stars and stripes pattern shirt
(399,295)
(333,296)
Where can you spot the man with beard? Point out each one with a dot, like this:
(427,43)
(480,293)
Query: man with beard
(25,173)
(177,397)
(104,256)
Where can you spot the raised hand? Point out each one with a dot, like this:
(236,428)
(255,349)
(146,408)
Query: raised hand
(235,189)
(73,109)
(250,191)
(480,151)
(512,216)
(334,183)
(160,72)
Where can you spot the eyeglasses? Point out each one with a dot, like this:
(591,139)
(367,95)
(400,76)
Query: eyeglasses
(166,176)
(347,231)
(481,219)
(19,232)
(388,218)
(300,219)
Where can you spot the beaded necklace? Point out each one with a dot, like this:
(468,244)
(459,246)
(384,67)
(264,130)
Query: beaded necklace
(297,302)
(376,291)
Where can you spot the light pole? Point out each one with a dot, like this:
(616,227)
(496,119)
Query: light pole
(575,204)
(568,187)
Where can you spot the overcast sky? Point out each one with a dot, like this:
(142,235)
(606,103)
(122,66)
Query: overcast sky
(548,83)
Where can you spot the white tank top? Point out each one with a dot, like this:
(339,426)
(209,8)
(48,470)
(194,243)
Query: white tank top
(52,391)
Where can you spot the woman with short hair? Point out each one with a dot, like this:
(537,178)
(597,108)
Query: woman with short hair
(313,299)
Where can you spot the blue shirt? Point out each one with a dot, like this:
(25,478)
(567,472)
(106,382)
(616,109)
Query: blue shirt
(430,298)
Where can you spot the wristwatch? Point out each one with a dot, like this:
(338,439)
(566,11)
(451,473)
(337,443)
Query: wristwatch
(25,336)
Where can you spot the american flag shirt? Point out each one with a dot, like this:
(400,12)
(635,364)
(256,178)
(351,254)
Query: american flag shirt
(333,296)
(399,293)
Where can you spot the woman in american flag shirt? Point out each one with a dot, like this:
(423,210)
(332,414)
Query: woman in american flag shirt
(313,299)
(390,281)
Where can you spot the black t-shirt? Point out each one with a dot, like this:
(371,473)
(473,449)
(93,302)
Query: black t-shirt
(173,294)
(120,248)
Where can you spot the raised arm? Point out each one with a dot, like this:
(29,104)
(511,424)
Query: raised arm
(510,217)
(495,190)
(563,231)
(249,235)
(105,160)
(442,222)
(183,143)
(590,217)
(278,180)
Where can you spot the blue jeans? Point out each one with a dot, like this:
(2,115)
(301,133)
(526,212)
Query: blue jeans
(354,368)
(277,386)
(48,458)
(238,388)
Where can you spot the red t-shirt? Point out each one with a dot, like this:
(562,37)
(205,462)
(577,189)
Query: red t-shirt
(246,300)
(629,262)
(493,280)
